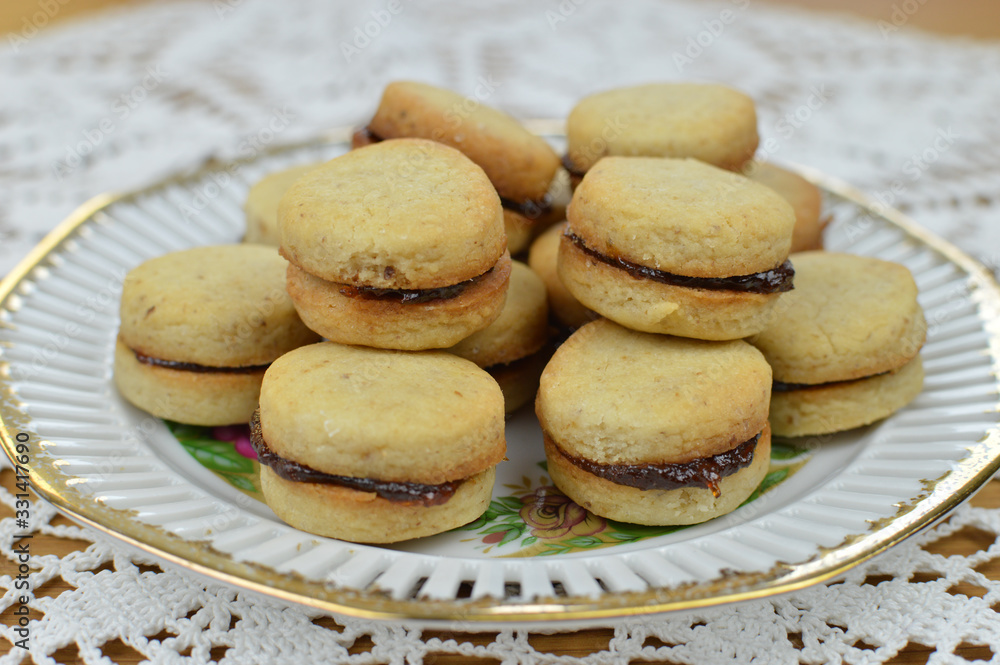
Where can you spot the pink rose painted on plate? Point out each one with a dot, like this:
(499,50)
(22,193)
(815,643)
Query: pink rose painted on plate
(550,514)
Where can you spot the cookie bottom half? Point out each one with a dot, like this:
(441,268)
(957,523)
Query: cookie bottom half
(390,324)
(836,407)
(520,230)
(364,517)
(519,379)
(193,398)
(651,306)
(543,259)
(684,505)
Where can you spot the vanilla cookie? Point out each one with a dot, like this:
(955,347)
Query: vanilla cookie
(543,257)
(510,348)
(198,329)
(676,246)
(708,122)
(520,164)
(804,198)
(654,429)
(399,244)
(844,344)
(261,206)
(377,446)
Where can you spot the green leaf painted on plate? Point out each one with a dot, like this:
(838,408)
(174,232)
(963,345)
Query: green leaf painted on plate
(513,534)
(583,542)
(181,431)
(530,540)
(217,456)
(623,537)
(770,480)
(554,549)
(497,528)
(477,524)
(641,530)
(785,451)
(240,482)
(512,503)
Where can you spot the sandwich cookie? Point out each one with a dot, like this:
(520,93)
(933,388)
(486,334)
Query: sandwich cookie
(708,122)
(520,164)
(198,329)
(261,206)
(396,245)
(844,345)
(377,446)
(677,246)
(511,348)
(653,429)
(804,198)
(566,310)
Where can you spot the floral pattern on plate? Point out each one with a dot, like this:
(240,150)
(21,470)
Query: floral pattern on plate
(540,520)
(225,451)
(535,519)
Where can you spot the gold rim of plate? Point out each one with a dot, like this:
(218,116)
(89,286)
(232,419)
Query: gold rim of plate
(200,557)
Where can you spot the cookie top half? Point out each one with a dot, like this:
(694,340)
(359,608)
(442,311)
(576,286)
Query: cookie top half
(221,306)
(399,214)
(520,164)
(804,197)
(426,417)
(681,216)
(710,122)
(848,317)
(614,395)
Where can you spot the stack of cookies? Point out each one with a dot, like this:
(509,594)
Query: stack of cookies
(657,414)
(395,250)
(521,165)
(200,327)
(661,413)
(399,245)
(696,325)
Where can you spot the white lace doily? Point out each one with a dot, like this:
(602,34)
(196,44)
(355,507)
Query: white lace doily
(128,97)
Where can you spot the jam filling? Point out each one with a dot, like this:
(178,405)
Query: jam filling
(776,280)
(782,387)
(411,296)
(571,167)
(362,137)
(530,209)
(193,367)
(404,493)
(706,471)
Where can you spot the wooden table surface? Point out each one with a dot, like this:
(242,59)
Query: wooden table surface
(974,18)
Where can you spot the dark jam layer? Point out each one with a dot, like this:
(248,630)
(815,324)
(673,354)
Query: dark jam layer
(363,137)
(704,472)
(411,296)
(530,209)
(782,387)
(776,280)
(405,493)
(571,167)
(192,367)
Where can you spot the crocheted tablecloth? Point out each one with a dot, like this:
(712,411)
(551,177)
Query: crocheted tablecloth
(128,97)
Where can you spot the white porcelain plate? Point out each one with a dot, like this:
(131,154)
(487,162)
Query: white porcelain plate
(188,496)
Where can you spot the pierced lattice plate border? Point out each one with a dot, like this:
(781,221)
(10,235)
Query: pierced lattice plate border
(108,465)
